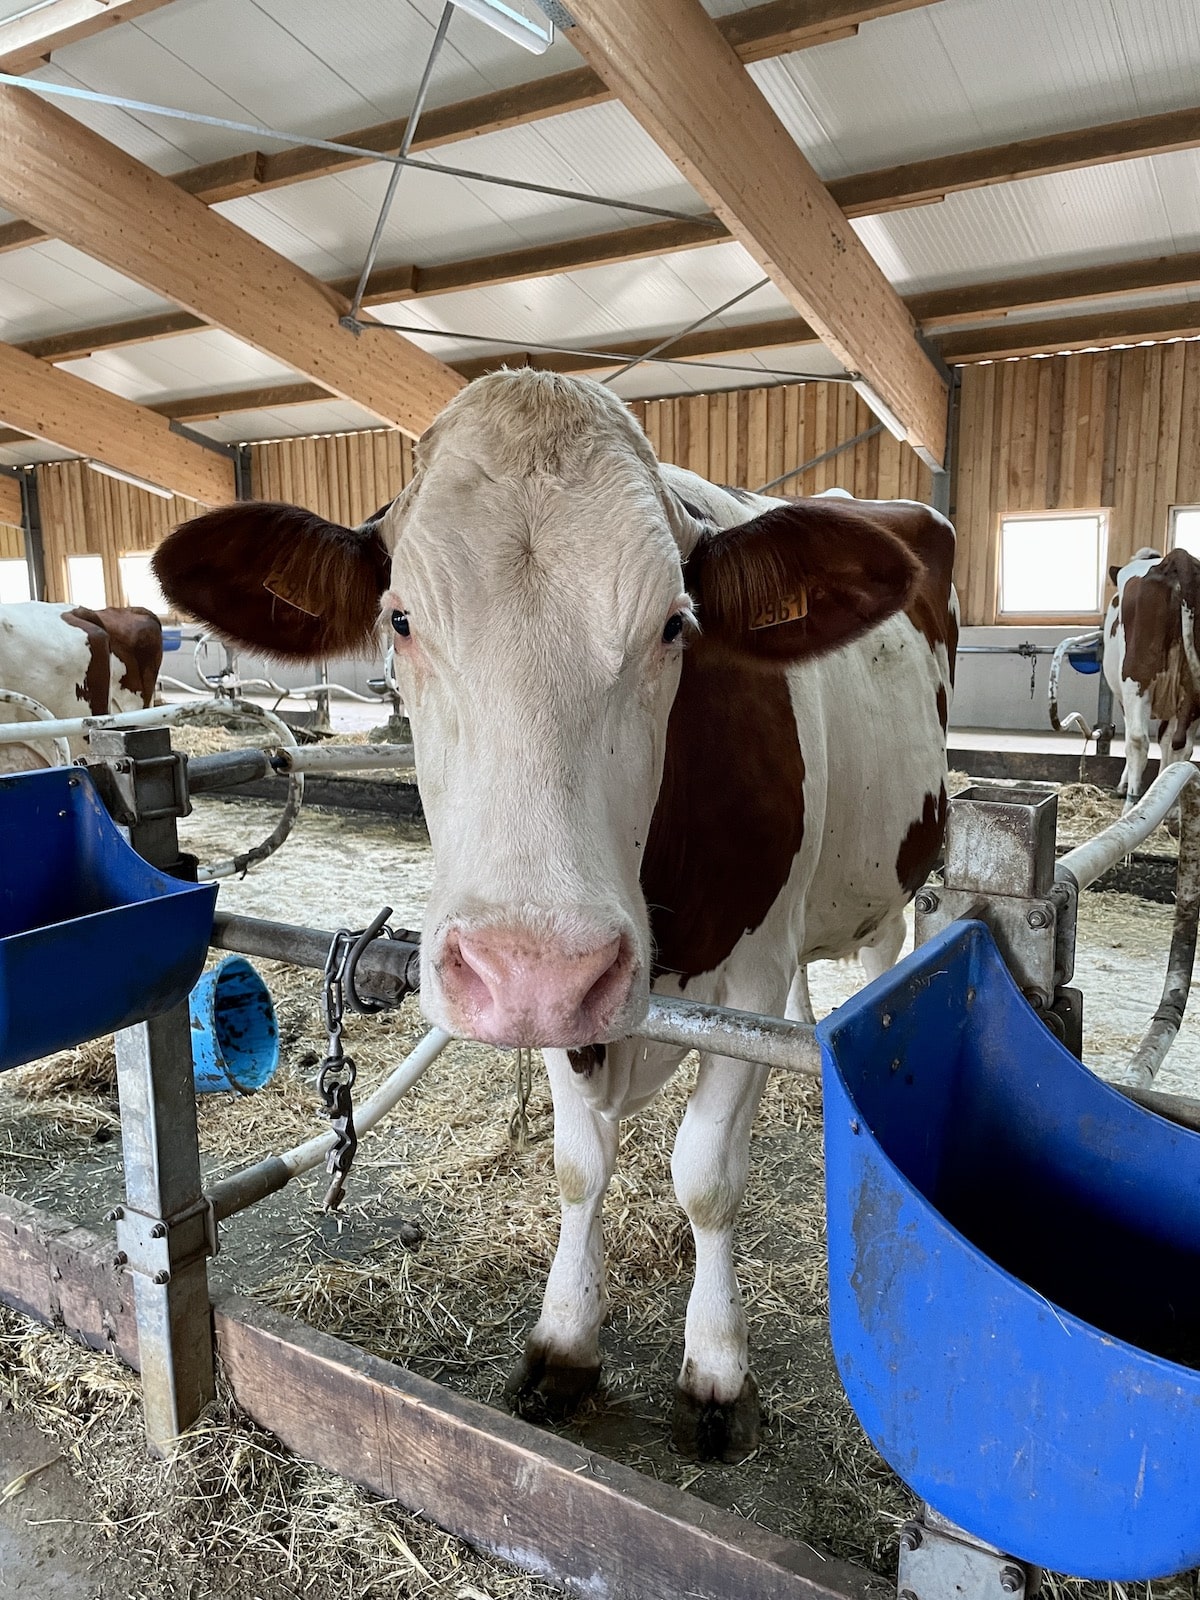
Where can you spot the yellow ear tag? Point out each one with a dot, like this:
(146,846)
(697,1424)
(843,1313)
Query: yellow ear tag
(277,584)
(787,608)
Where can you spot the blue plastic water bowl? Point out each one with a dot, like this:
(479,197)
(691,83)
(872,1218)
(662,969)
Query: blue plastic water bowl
(1087,660)
(92,938)
(172,639)
(235,1038)
(1014,1265)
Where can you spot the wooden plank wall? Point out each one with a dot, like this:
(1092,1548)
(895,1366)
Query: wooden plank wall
(1114,430)
(343,476)
(746,437)
(85,513)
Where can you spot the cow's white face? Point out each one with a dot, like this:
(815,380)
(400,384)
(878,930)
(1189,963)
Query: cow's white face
(538,625)
(536,572)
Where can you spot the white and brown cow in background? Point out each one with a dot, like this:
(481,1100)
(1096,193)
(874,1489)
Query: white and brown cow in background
(77,663)
(1151,659)
(666,734)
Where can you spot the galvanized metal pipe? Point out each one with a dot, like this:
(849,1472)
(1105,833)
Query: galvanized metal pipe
(1089,861)
(342,757)
(73,727)
(389,969)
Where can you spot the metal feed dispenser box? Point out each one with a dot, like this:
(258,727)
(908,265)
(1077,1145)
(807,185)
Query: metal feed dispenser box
(1014,1271)
(92,938)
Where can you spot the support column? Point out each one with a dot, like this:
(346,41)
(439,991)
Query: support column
(165,1230)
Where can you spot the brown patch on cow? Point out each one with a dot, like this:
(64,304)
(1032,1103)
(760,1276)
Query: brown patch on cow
(135,637)
(1152,616)
(730,814)
(278,579)
(921,845)
(586,1060)
(94,690)
(943,706)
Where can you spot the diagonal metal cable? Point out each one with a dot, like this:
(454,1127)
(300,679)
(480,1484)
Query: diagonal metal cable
(826,455)
(410,130)
(148,108)
(608,355)
(674,338)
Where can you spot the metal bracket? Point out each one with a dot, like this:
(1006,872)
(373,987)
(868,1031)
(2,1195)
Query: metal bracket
(939,1561)
(1000,868)
(144,788)
(158,1247)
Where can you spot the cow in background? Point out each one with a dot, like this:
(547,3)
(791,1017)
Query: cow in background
(1151,660)
(77,663)
(667,736)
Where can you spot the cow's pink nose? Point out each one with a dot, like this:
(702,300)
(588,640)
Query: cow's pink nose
(511,986)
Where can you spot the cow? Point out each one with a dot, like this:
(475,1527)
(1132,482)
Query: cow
(76,662)
(1150,659)
(667,736)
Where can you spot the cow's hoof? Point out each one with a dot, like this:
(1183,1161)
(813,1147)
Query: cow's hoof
(543,1390)
(712,1430)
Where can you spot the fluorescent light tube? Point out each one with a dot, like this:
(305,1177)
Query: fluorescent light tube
(510,23)
(128,477)
(881,409)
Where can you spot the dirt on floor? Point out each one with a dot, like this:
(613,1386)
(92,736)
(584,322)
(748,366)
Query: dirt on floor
(437,1261)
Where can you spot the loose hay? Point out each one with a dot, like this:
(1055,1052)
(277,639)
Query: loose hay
(230,1513)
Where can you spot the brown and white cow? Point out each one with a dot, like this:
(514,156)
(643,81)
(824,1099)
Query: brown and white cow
(1151,660)
(667,735)
(77,663)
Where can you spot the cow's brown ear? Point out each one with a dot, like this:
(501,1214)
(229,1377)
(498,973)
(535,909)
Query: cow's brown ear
(1114,573)
(800,579)
(278,579)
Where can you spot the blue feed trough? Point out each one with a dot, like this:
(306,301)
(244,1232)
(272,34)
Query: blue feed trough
(92,938)
(1014,1264)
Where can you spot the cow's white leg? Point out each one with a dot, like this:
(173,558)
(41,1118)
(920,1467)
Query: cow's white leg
(716,1404)
(884,949)
(561,1363)
(799,1001)
(1137,739)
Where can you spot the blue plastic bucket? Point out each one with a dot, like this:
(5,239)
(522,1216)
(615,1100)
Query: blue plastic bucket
(235,1038)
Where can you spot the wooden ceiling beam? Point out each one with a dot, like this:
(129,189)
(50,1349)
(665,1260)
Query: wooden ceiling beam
(46,403)
(776,28)
(60,174)
(922,182)
(701,106)
(27,41)
(1047,337)
(984,300)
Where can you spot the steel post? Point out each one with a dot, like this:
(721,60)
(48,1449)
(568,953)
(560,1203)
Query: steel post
(165,1230)
(35,549)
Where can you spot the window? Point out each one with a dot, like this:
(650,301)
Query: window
(14,582)
(85,581)
(1185,529)
(141,586)
(1053,565)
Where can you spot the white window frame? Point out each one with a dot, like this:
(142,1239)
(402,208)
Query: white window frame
(1172,515)
(87,555)
(1050,618)
(17,561)
(141,555)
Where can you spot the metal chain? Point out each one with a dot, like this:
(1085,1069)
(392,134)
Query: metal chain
(518,1124)
(337,1073)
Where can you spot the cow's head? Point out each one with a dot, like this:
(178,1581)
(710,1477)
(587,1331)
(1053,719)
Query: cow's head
(540,584)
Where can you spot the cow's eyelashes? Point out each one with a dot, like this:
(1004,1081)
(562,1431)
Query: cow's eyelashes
(674,627)
(400,623)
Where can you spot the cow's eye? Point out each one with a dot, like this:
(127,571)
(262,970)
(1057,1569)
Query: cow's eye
(673,628)
(400,623)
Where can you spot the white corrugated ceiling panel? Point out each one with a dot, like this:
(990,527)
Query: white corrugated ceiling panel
(26,453)
(1121,211)
(322,416)
(189,364)
(48,288)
